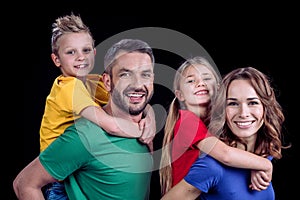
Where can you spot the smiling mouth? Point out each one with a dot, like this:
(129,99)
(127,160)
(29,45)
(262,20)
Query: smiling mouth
(81,66)
(244,124)
(201,92)
(135,95)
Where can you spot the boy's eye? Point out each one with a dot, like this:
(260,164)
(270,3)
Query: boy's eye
(87,50)
(71,52)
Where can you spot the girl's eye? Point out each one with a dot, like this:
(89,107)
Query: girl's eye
(190,81)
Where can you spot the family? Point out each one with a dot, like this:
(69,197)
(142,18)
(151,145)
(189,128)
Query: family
(97,131)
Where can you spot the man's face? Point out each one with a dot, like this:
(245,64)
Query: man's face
(132,84)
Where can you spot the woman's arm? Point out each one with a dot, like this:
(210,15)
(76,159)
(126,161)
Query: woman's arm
(182,190)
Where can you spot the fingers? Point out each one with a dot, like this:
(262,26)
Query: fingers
(146,140)
(149,131)
(150,147)
(259,180)
(142,124)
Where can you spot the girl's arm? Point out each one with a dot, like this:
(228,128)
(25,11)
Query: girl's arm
(235,157)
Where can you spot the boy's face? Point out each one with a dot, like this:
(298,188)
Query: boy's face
(132,82)
(76,54)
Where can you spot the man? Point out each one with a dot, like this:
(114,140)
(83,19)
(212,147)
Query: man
(93,163)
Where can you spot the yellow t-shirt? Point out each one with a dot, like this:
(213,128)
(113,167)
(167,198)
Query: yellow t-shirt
(67,98)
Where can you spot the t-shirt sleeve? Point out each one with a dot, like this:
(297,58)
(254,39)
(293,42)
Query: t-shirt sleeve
(75,96)
(204,173)
(95,86)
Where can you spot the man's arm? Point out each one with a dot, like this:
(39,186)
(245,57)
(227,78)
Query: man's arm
(182,190)
(29,182)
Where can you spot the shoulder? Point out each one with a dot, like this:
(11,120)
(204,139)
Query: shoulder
(207,165)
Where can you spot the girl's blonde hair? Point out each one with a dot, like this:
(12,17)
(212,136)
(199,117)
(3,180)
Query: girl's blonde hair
(165,170)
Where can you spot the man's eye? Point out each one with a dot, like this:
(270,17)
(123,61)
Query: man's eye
(125,75)
(147,75)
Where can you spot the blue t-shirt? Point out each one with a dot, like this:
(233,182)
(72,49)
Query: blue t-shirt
(218,181)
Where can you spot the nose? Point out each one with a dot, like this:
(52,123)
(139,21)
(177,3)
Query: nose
(80,55)
(201,82)
(137,80)
(243,111)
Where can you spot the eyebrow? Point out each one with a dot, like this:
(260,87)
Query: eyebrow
(250,98)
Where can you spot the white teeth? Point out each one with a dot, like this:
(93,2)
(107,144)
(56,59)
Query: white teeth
(243,123)
(135,95)
(81,66)
(201,92)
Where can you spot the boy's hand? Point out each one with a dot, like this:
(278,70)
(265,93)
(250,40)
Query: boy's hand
(148,125)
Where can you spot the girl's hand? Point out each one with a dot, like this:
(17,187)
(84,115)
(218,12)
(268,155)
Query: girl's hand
(260,180)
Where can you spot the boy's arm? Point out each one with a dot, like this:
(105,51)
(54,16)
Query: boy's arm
(148,124)
(113,125)
(233,156)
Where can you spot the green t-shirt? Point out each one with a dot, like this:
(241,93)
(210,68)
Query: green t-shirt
(96,165)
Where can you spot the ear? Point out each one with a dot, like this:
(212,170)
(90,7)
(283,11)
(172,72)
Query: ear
(179,95)
(55,60)
(106,81)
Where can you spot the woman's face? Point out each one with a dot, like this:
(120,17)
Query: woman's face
(244,110)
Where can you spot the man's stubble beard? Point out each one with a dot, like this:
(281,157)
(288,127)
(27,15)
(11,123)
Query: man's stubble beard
(118,101)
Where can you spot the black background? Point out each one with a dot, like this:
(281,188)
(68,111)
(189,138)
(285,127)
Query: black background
(263,37)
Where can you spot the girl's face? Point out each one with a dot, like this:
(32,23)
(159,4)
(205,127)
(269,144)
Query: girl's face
(196,87)
(244,110)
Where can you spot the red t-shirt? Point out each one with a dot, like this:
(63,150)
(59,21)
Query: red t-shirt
(188,131)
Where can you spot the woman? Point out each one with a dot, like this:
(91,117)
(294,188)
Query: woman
(245,115)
